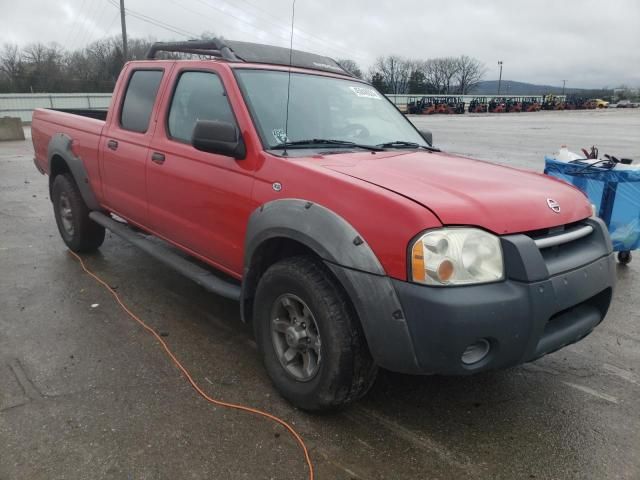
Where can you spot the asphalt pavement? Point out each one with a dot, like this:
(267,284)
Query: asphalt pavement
(85,393)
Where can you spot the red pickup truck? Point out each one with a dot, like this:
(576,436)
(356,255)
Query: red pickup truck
(350,242)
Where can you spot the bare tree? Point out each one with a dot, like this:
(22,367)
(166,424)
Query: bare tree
(11,64)
(41,54)
(138,47)
(440,73)
(350,66)
(394,71)
(43,67)
(468,74)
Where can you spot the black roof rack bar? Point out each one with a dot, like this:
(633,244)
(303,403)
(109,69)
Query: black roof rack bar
(213,47)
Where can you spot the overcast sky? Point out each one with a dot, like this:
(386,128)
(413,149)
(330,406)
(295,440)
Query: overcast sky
(587,42)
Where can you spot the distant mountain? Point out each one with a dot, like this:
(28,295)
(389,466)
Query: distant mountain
(511,87)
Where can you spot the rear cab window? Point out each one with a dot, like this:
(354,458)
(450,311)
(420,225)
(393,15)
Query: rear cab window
(139,99)
(198,95)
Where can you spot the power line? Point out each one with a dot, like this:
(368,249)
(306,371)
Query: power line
(91,11)
(92,37)
(162,25)
(200,15)
(74,24)
(331,45)
(154,21)
(240,19)
(188,34)
(284,28)
(113,20)
(78,24)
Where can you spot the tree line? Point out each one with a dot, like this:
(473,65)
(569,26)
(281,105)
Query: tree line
(444,75)
(49,68)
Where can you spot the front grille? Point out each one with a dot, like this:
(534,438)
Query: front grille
(569,246)
(555,236)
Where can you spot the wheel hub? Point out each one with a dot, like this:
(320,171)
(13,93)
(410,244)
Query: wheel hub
(295,337)
(66,214)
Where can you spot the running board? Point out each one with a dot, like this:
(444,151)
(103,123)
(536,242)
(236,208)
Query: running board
(198,274)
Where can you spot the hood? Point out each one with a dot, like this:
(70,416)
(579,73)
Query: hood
(462,191)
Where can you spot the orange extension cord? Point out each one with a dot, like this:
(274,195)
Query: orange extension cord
(188,376)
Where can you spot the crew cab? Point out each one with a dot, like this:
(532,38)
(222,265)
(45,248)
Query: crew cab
(276,178)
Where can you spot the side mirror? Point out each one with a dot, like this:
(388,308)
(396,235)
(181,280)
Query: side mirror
(428,136)
(223,138)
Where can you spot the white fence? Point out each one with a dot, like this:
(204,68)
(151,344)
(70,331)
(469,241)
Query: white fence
(22,104)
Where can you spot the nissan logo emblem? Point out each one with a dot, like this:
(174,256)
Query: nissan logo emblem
(553,205)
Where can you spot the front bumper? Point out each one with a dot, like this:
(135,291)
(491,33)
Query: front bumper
(521,321)
(550,298)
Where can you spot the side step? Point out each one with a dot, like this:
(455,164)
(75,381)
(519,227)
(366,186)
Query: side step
(198,274)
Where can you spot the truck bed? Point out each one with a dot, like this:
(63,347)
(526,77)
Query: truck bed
(83,127)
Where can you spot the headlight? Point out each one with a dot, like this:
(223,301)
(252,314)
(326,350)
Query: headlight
(456,256)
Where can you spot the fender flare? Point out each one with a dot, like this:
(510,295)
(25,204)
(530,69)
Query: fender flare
(323,231)
(317,227)
(350,259)
(60,146)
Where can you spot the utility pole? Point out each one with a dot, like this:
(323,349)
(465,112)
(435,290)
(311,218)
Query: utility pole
(500,79)
(123,23)
(563,84)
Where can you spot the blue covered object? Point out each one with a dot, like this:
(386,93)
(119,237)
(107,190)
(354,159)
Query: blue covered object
(614,191)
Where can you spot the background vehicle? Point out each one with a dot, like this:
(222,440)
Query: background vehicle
(575,102)
(597,103)
(349,241)
(513,105)
(478,105)
(529,104)
(432,105)
(498,105)
(626,104)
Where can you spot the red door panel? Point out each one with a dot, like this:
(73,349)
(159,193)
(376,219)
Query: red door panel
(124,172)
(125,143)
(198,200)
(202,202)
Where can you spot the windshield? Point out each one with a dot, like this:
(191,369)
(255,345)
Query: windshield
(321,108)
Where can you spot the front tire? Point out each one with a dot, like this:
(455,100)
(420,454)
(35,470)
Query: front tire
(310,339)
(78,231)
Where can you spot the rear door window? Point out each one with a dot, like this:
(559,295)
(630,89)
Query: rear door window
(139,99)
(197,96)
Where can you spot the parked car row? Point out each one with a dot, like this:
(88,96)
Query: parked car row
(428,105)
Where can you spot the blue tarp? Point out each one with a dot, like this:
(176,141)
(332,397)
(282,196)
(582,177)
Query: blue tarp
(614,191)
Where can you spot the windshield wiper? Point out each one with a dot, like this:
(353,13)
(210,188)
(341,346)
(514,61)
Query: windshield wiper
(314,142)
(405,144)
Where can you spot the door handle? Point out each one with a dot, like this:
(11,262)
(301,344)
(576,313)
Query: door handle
(157,157)
(112,145)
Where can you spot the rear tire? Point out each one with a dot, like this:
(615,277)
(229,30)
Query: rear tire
(300,309)
(624,257)
(78,231)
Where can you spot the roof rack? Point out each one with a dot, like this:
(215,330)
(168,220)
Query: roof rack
(213,47)
(235,51)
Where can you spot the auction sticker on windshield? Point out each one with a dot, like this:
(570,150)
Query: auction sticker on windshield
(280,135)
(365,92)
